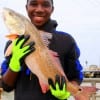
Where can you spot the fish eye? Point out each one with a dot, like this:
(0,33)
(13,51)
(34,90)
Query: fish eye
(10,13)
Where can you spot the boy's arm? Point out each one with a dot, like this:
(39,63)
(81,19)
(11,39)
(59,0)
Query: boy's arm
(18,52)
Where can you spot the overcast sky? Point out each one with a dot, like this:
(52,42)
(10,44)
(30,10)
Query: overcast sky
(80,18)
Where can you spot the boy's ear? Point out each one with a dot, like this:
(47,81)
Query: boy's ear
(52,8)
(26,7)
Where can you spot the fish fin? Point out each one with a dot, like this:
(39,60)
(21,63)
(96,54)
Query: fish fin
(86,93)
(12,36)
(44,87)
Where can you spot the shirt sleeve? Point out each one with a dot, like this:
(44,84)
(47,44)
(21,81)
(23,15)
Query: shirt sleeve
(4,66)
(5,62)
(73,67)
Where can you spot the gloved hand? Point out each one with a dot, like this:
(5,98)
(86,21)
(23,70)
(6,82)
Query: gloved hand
(59,88)
(19,52)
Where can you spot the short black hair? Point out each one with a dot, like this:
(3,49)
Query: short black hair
(51,1)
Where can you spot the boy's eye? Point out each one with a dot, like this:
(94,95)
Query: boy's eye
(46,5)
(33,3)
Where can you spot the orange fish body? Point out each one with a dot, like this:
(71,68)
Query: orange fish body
(42,62)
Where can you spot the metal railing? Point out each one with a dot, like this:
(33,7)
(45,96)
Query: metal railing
(93,82)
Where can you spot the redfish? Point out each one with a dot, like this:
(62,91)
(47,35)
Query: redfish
(42,62)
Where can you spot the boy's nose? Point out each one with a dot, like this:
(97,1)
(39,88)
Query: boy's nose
(39,8)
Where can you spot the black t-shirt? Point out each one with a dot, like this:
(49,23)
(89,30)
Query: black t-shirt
(27,88)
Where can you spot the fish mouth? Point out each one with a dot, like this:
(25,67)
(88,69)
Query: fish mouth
(5,13)
(14,24)
(2,13)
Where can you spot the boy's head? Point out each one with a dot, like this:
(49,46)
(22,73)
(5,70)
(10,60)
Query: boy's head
(39,11)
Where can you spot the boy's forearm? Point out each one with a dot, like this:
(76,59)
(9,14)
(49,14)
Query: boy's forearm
(10,77)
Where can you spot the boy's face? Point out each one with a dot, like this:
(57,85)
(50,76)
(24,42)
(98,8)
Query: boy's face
(39,11)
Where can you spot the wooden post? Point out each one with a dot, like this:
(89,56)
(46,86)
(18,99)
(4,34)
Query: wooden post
(1,90)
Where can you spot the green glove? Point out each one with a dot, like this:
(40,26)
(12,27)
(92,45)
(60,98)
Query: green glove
(59,88)
(19,52)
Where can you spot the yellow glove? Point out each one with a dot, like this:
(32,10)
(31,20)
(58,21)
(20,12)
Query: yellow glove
(19,52)
(59,88)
